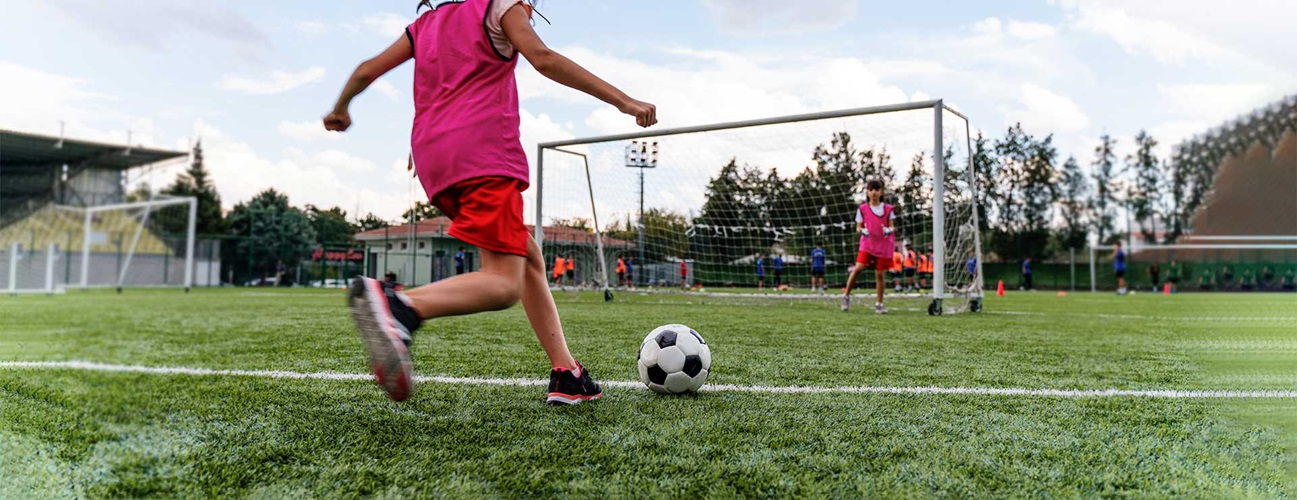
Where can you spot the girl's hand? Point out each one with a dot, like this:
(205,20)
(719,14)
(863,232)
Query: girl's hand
(337,121)
(646,115)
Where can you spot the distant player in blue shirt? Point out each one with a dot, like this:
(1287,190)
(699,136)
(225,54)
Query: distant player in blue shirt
(1026,273)
(970,266)
(1119,268)
(459,261)
(817,268)
(761,272)
(779,271)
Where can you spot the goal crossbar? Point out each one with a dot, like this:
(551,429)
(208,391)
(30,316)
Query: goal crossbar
(148,205)
(941,261)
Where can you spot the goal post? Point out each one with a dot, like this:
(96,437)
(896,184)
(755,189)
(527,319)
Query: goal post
(742,205)
(153,243)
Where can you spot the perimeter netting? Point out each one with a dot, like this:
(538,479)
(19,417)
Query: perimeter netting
(145,244)
(740,207)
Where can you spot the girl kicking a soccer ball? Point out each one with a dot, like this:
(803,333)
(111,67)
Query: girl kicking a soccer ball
(469,158)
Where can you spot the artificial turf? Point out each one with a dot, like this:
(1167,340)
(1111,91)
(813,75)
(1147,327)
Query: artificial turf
(95,434)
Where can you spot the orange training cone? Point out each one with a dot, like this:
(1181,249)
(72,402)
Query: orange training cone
(1062,294)
(999,289)
(1166,289)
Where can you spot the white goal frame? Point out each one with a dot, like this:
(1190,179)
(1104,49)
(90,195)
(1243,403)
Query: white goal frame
(938,107)
(148,206)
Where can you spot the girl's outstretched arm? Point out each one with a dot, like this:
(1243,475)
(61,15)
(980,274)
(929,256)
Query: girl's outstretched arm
(369,71)
(517,27)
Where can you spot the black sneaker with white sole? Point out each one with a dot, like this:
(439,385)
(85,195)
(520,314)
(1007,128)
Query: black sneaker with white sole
(569,388)
(386,324)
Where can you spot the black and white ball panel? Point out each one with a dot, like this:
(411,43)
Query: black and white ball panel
(674,359)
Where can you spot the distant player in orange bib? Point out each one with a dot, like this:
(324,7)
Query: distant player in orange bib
(560,264)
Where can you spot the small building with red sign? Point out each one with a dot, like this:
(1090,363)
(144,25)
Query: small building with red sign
(424,252)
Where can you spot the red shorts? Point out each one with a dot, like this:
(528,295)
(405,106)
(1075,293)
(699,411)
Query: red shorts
(874,262)
(486,212)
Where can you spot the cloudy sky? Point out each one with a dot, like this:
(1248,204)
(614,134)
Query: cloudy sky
(252,79)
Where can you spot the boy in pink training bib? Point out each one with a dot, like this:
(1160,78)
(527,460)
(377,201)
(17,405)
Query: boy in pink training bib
(467,152)
(877,243)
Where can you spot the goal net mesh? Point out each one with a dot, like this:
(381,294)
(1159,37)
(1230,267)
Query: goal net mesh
(740,209)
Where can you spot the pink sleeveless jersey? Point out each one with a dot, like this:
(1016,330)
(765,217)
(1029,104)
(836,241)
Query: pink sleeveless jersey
(465,100)
(876,244)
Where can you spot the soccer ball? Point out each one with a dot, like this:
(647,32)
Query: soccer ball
(674,359)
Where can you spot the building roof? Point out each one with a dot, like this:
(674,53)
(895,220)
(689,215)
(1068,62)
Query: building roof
(440,226)
(24,150)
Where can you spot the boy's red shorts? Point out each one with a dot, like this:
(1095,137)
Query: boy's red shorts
(486,212)
(874,262)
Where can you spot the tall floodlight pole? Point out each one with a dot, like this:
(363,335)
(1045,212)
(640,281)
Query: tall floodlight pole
(641,155)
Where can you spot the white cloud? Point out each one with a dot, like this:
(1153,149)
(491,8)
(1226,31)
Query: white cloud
(326,178)
(36,101)
(781,16)
(714,87)
(278,83)
(1027,30)
(386,25)
(1022,30)
(1218,102)
(156,24)
(314,28)
(1043,111)
(307,131)
(386,88)
(1177,31)
(1164,41)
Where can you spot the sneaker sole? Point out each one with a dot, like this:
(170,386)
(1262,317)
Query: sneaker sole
(558,398)
(388,356)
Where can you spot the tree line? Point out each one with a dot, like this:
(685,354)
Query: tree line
(1029,203)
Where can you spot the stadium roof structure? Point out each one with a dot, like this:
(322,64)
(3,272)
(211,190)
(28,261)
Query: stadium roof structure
(32,175)
(20,150)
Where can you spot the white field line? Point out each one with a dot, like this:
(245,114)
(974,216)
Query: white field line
(1229,319)
(752,389)
(1241,345)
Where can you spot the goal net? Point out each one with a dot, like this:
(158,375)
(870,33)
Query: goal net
(739,208)
(144,244)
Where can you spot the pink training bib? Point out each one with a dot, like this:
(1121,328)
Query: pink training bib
(465,100)
(876,244)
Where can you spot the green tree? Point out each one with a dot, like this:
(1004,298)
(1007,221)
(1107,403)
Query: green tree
(142,192)
(1074,205)
(331,226)
(371,222)
(270,236)
(1012,152)
(1146,193)
(574,223)
(1039,188)
(422,211)
(986,170)
(1104,160)
(913,211)
(196,182)
(723,212)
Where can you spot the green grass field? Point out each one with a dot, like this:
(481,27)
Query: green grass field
(79,433)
